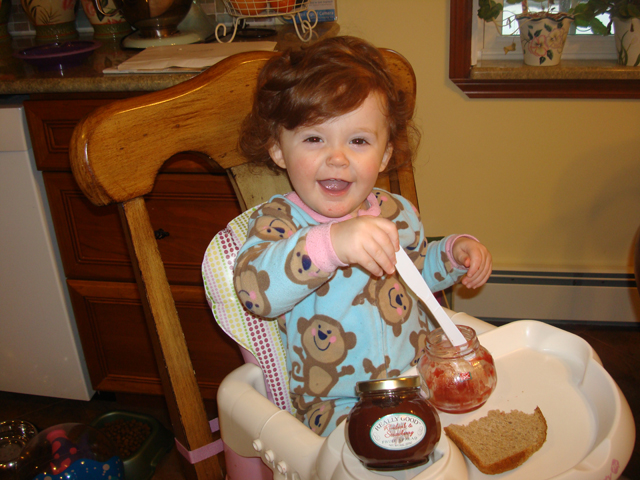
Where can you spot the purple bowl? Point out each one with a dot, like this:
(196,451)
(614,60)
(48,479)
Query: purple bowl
(54,56)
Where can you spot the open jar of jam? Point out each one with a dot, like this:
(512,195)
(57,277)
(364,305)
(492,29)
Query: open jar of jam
(393,426)
(459,379)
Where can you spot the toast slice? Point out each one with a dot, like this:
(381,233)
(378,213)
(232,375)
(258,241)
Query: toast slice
(500,441)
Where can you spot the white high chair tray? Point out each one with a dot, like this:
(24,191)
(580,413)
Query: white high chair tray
(590,429)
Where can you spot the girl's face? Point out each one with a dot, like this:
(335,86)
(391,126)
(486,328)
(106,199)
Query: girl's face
(334,165)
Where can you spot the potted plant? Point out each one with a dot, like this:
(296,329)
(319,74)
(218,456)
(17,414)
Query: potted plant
(624,15)
(542,34)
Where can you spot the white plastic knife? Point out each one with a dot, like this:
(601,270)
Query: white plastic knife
(414,280)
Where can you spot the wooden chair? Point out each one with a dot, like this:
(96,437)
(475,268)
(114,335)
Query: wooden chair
(116,153)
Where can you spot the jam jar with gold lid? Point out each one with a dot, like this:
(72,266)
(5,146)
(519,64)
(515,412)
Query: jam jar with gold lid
(393,426)
(459,379)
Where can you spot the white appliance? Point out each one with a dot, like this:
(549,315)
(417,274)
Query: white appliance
(40,351)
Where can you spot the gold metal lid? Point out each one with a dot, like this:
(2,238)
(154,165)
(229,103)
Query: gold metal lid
(387,384)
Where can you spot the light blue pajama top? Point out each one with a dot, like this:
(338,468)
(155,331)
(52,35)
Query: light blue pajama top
(340,325)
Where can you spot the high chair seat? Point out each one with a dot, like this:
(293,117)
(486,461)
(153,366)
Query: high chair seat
(259,337)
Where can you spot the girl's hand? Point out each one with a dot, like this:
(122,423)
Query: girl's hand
(474,256)
(370,242)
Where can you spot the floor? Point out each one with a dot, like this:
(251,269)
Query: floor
(618,348)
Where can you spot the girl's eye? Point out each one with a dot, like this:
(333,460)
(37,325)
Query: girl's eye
(359,141)
(312,139)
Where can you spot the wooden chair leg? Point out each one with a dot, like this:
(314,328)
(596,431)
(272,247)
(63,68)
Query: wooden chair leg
(186,407)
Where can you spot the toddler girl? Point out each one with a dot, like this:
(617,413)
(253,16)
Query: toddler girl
(321,259)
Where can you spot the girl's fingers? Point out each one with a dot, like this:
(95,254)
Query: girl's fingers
(383,256)
(479,271)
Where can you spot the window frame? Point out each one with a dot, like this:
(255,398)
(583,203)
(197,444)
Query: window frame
(460,40)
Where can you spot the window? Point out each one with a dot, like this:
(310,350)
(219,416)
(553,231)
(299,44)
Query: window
(489,43)
(462,20)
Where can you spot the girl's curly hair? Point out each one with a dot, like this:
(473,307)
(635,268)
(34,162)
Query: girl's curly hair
(324,81)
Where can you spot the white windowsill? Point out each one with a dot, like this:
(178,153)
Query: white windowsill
(567,70)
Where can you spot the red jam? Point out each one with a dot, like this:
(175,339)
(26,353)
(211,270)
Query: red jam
(459,379)
(393,426)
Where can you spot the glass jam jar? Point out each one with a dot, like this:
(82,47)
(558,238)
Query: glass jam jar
(393,426)
(459,379)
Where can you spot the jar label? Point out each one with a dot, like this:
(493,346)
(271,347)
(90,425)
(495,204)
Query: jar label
(398,431)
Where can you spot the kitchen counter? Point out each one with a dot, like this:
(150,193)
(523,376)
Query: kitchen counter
(191,201)
(19,77)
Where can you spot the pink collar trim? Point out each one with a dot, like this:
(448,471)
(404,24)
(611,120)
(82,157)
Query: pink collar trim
(373,210)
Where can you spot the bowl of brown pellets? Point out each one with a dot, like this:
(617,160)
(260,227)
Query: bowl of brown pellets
(141,441)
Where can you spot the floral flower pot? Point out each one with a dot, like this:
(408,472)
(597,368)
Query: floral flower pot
(104,27)
(627,33)
(54,20)
(543,38)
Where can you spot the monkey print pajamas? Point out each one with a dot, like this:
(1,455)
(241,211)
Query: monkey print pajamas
(340,325)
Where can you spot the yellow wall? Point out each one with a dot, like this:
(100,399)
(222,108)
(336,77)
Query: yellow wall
(552,184)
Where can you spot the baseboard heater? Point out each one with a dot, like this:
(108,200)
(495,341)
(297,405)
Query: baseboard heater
(553,296)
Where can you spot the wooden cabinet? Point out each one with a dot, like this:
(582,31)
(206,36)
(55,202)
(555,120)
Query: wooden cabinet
(191,202)
(186,211)
(117,346)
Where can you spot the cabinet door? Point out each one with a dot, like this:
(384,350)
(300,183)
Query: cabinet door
(51,124)
(185,210)
(117,346)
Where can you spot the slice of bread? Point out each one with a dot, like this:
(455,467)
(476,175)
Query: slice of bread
(500,441)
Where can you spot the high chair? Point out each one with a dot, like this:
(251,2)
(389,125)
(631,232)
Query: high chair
(202,115)
(116,153)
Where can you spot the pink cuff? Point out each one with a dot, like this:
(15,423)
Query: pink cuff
(449,249)
(320,249)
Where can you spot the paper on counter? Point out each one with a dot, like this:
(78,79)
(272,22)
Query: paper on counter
(185,58)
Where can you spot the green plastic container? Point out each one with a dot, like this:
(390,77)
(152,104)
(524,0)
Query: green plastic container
(142,464)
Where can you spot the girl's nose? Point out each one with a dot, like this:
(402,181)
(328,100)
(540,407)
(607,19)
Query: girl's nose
(337,158)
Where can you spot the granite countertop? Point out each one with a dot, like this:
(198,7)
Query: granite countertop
(19,77)
(567,70)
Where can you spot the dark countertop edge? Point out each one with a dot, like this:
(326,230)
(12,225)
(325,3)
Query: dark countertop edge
(117,83)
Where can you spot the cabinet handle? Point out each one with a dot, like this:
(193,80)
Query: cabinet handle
(160,234)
